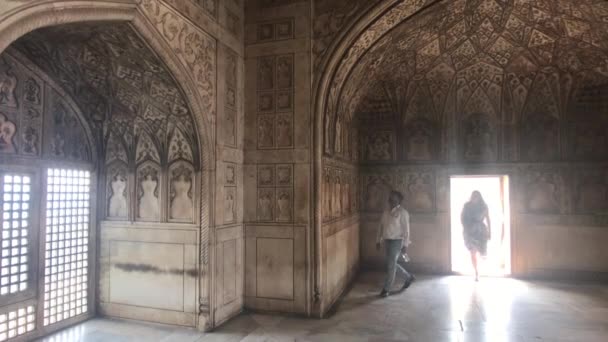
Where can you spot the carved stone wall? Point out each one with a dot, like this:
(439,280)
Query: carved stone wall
(138,114)
(144,131)
(36,119)
(277,175)
(472,87)
(329,20)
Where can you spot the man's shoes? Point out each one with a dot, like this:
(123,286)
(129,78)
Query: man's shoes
(408,283)
(384,293)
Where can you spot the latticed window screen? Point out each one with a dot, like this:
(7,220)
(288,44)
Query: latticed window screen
(17,322)
(15,209)
(66,250)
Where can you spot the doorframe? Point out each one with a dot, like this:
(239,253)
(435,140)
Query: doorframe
(478,174)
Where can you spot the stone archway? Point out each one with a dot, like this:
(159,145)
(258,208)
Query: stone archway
(184,64)
(335,68)
(560,48)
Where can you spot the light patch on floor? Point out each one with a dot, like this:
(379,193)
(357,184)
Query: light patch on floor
(433,309)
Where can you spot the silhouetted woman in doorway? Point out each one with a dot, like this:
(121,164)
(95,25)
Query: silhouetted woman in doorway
(476,233)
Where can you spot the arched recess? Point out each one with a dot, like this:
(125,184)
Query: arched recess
(335,67)
(23,18)
(500,74)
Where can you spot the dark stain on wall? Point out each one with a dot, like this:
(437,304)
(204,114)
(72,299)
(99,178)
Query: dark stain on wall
(143,268)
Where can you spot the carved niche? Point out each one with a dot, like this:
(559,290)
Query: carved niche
(284,131)
(539,138)
(346,194)
(479,139)
(284,175)
(592,191)
(326,192)
(421,140)
(265,204)
(148,192)
(266,67)
(230,175)
(542,190)
(181,194)
(284,205)
(229,204)
(379,146)
(338,135)
(336,196)
(377,189)
(266,136)
(285,72)
(589,140)
(117,190)
(419,191)
(266,176)
(230,194)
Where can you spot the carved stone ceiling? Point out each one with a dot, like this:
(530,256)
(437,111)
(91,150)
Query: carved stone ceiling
(490,55)
(119,83)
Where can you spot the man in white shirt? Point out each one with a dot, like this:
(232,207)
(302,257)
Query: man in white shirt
(395,233)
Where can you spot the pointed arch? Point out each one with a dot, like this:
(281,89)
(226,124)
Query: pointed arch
(21,18)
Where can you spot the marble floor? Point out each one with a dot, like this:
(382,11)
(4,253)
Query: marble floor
(433,309)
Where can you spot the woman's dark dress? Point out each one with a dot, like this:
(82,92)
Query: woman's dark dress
(475,231)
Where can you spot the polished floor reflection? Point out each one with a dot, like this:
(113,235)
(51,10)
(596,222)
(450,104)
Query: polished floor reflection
(433,309)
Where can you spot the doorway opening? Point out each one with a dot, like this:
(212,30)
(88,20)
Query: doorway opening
(495,192)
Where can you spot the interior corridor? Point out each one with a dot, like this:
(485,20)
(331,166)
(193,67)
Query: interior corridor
(432,309)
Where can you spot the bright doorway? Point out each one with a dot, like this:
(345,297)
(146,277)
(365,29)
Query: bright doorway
(495,191)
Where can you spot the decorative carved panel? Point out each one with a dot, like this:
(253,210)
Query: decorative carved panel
(146,148)
(543,191)
(275,97)
(591,191)
(490,57)
(230,175)
(26,103)
(284,133)
(479,138)
(231,106)
(230,203)
(421,140)
(265,205)
(266,176)
(284,204)
(275,183)
(275,30)
(540,138)
(378,146)
(376,191)
(419,191)
(339,193)
(266,132)
(112,65)
(284,175)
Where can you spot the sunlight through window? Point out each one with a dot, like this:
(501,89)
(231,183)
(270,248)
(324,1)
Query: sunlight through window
(66,252)
(16,190)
